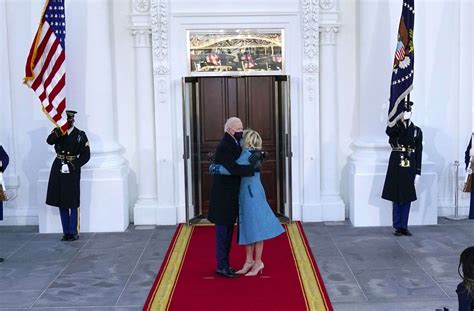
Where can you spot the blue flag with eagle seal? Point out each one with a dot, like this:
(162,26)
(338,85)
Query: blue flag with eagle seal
(403,63)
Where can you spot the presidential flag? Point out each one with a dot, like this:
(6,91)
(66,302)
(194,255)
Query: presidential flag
(403,64)
(45,71)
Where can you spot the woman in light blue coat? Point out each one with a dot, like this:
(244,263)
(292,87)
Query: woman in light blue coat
(256,219)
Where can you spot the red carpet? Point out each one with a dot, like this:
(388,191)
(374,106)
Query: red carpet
(187,281)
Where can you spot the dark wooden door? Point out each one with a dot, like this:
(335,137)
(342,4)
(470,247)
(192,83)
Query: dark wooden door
(252,99)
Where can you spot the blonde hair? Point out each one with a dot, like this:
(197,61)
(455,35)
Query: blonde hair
(252,139)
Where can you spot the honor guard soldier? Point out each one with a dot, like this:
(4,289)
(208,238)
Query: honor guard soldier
(469,160)
(72,152)
(404,170)
(4,159)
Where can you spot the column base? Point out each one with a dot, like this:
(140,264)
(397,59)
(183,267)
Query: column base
(146,213)
(104,201)
(331,208)
(366,180)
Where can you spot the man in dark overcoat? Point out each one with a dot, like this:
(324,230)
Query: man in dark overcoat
(72,152)
(4,159)
(224,200)
(469,160)
(404,170)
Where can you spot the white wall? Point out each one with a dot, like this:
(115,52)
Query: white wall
(442,85)
(234,15)
(443,92)
(125,91)
(30,127)
(25,136)
(443,51)
(347,89)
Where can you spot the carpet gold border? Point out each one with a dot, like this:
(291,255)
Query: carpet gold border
(170,275)
(296,266)
(314,296)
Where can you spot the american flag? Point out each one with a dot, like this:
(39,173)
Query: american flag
(400,52)
(248,61)
(213,59)
(45,71)
(277,58)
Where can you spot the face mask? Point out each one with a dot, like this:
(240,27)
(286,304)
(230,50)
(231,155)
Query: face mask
(238,135)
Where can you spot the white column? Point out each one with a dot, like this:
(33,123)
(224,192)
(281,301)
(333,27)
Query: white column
(147,186)
(321,196)
(368,164)
(91,91)
(311,205)
(6,115)
(466,98)
(333,206)
(165,120)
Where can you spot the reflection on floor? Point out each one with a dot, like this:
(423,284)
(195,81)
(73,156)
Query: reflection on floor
(363,268)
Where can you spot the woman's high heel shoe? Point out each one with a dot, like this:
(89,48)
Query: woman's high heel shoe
(247,266)
(255,270)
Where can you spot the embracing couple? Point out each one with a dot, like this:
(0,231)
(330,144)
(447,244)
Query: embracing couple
(237,192)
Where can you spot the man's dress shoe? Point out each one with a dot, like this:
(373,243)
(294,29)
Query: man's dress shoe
(226,273)
(74,237)
(398,232)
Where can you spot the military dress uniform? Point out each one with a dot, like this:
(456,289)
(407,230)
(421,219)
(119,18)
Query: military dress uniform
(72,149)
(4,159)
(467,159)
(406,140)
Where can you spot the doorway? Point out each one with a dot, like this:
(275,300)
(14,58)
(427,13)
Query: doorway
(262,103)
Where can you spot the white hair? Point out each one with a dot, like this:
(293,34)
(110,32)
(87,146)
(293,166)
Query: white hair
(229,122)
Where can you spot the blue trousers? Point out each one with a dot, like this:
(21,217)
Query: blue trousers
(69,220)
(400,214)
(471,208)
(223,244)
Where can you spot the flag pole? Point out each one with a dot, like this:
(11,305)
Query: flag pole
(408,102)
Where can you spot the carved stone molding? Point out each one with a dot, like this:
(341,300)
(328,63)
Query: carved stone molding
(159,25)
(310,89)
(141,5)
(159,70)
(310,10)
(311,67)
(142,37)
(327,4)
(328,34)
(163,88)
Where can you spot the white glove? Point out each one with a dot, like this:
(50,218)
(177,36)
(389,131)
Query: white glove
(406,115)
(469,171)
(64,169)
(417,178)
